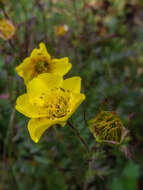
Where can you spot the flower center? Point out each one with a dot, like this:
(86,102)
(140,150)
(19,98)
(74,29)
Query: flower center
(42,67)
(54,105)
(59,105)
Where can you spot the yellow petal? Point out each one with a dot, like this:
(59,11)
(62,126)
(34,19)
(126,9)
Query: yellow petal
(25,107)
(43,83)
(26,69)
(43,49)
(31,108)
(41,52)
(77,99)
(61,66)
(73,84)
(37,127)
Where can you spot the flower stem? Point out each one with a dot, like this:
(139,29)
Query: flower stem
(78,135)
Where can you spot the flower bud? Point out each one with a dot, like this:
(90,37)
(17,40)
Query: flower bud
(107,127)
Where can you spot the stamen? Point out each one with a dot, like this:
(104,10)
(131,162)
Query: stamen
(42,67)
(56,107)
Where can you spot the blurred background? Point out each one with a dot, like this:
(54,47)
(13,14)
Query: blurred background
(104,42)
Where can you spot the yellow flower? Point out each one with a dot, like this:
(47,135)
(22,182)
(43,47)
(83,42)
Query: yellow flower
(49,100)
(107,127)
(61,30)
(7,29)
(40,62)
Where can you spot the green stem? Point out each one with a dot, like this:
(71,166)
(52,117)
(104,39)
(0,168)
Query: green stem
(7,146)
(78,135)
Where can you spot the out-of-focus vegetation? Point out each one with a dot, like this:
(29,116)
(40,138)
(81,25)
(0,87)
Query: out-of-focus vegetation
(104,41)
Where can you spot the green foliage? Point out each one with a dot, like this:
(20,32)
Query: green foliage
(127,179)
